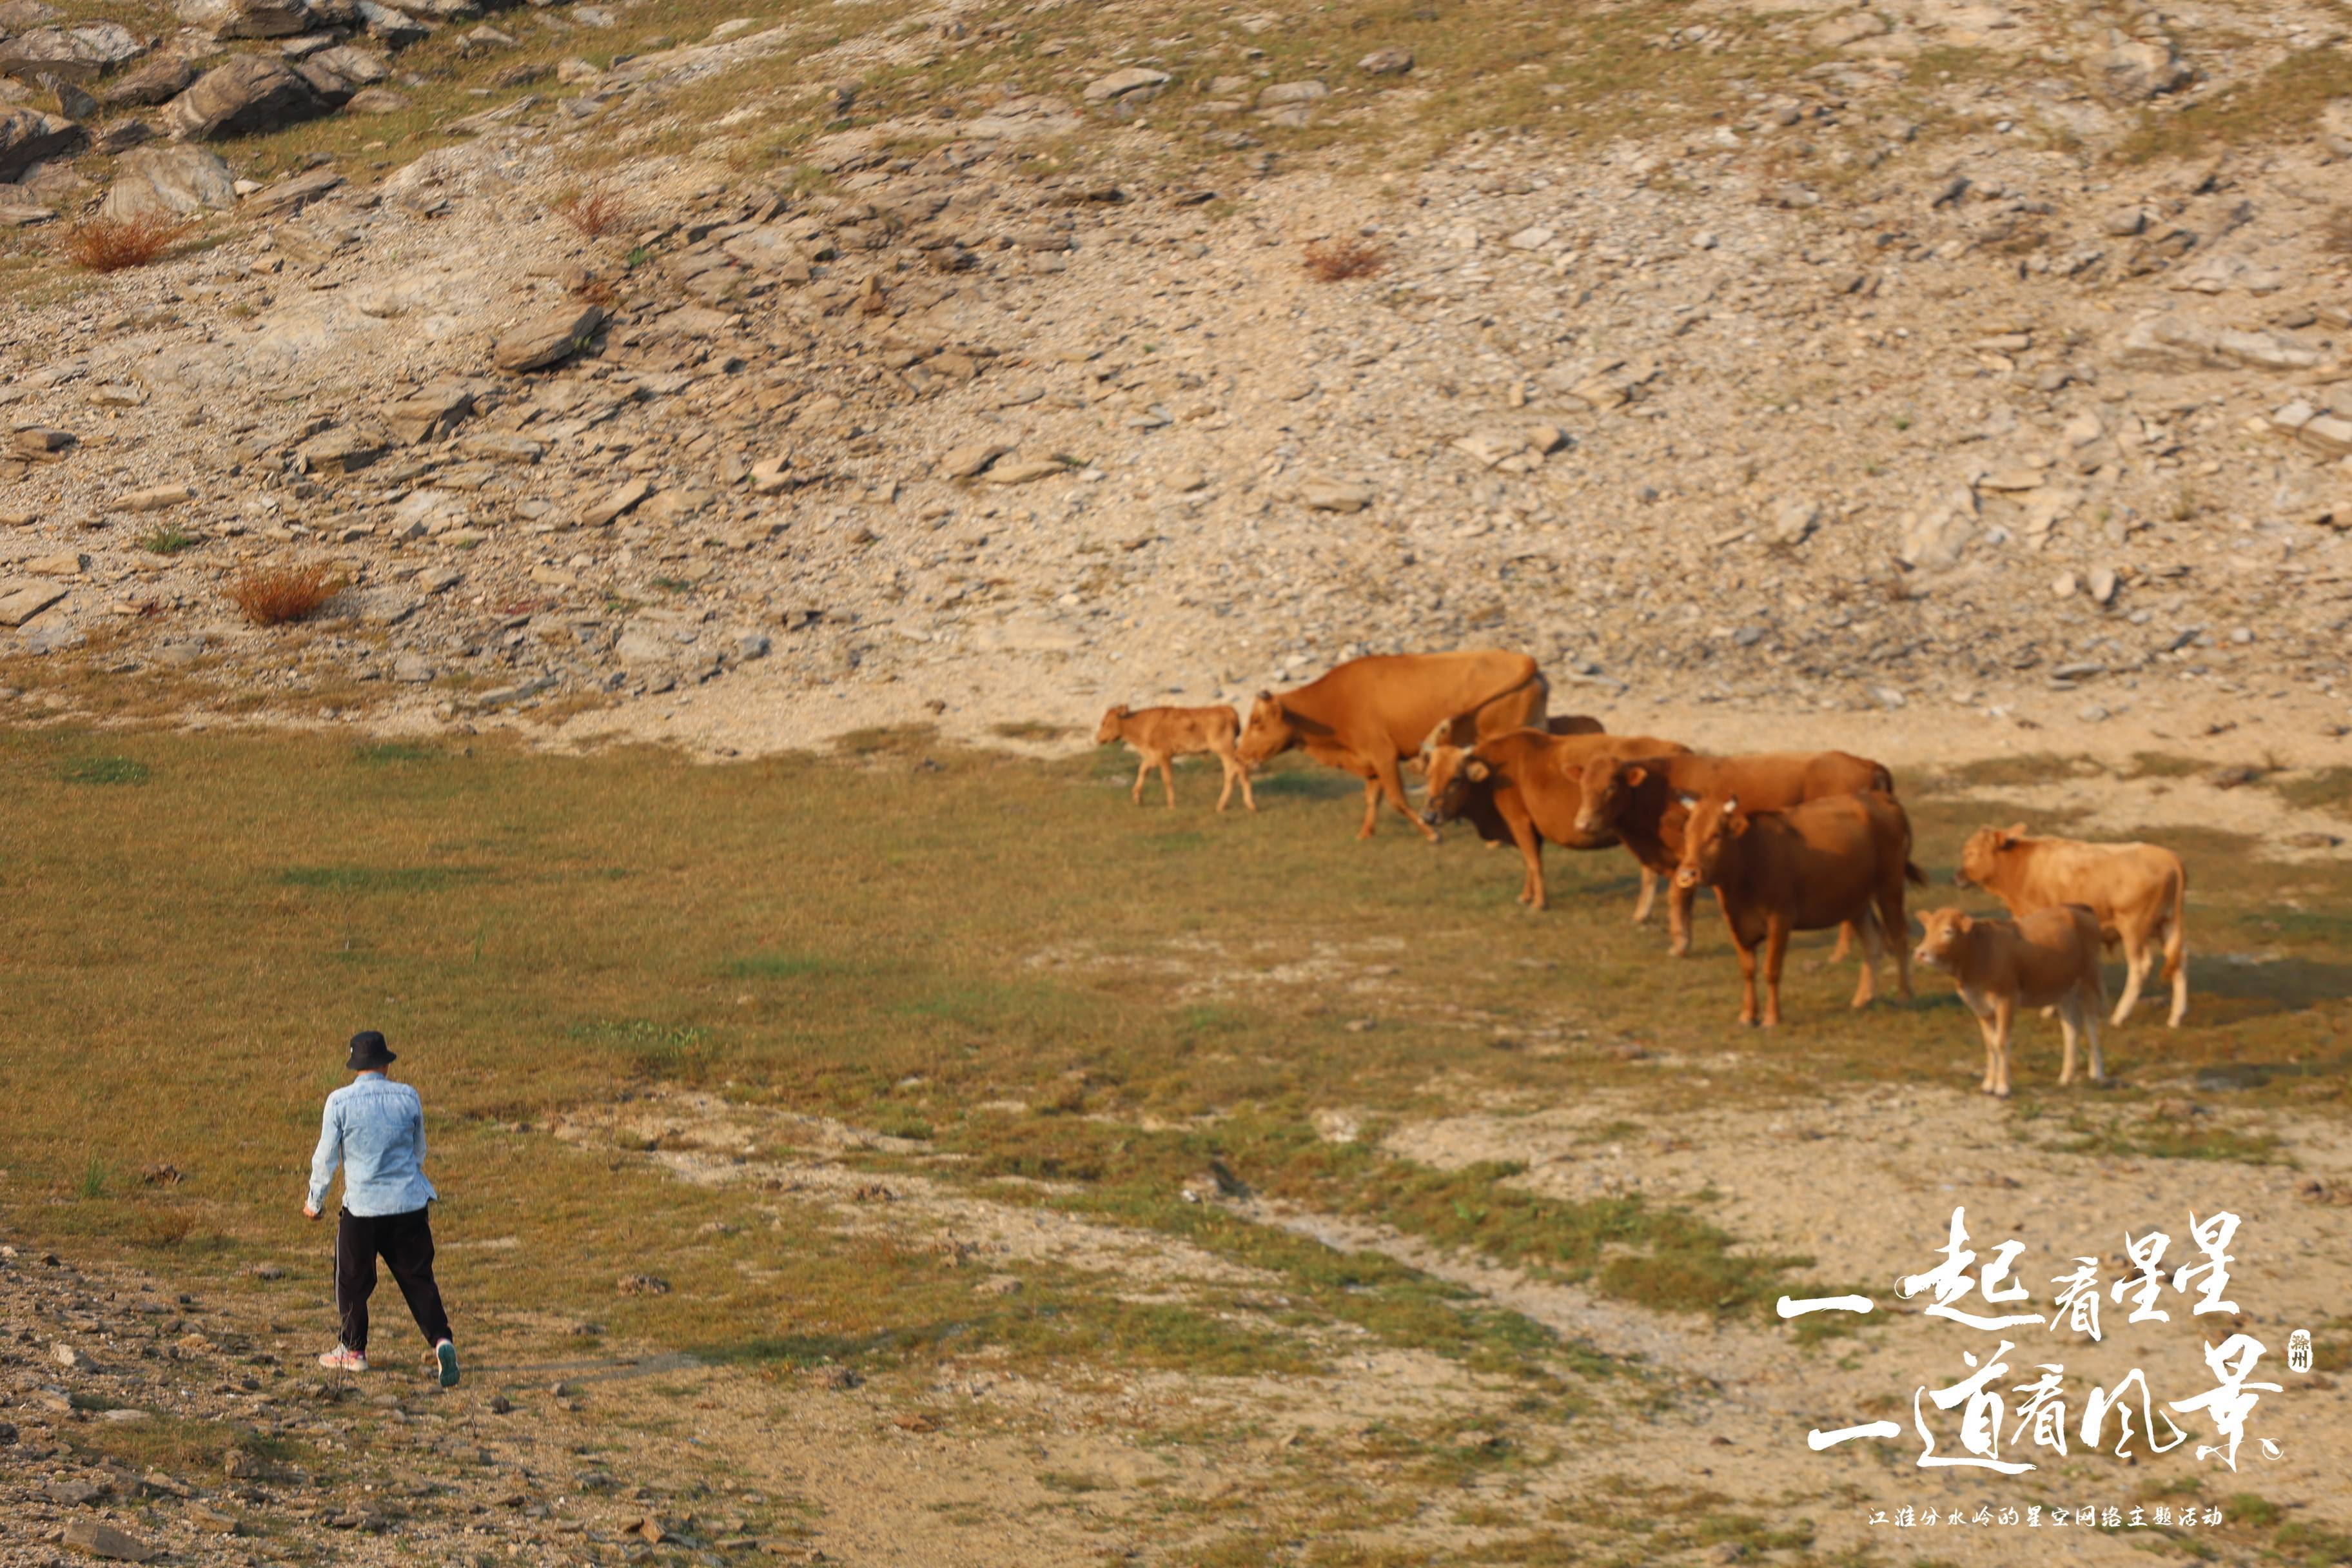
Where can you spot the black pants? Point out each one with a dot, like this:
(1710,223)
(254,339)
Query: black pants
(404,1242)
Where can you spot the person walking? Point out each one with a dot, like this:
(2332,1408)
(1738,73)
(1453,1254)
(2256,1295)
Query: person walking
(375,1129)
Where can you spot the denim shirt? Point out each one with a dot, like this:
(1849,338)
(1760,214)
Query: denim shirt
(375,1129)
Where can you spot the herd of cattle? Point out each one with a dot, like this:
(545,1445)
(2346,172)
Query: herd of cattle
(1789,842)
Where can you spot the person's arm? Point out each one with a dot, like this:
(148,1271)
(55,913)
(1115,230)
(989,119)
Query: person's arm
(329,1154)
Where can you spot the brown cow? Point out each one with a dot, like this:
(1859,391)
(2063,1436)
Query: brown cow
(1157,734)
(2048,959)
(1369,714)
(1807,867)
(1645,804)
(1526,784)
(2136,890)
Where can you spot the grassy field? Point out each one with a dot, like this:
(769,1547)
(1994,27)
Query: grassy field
(1035,990)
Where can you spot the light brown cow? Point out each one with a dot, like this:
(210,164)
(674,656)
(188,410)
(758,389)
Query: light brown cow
(1526,784)
(2136,890)
(1644,802)
(1157,735)
(1368,715)
(1808,867)
(2047,959)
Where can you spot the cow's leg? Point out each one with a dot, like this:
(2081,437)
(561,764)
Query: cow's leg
(1234,770)
(1776,951)
(1894,927)
(1392,784)
(1530,843)
(1747,980)
(1225,795)
(1867,988)
(2004,1021)
(1844,948)
(2176,969)
(1678,919)
(1142,772)
(1992,1054)
(2087,1002)
(2070,1018)
(1372,806)
(1168,781)
(2137,962)
(1649,895)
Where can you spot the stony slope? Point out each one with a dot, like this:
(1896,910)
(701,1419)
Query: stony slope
(1891,373)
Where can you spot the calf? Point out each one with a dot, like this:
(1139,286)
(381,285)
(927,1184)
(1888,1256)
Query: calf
(2136,890)
(2048,959)
(1157,734)
(1644,802)
(1807,867)
(1527,785)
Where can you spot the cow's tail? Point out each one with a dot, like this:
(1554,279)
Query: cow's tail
(1913,875)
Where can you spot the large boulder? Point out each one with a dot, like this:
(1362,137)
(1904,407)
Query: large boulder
(29,135)
(69,54)
(160,80)
(248,93)
(338,73)
(170,182)
(247,18)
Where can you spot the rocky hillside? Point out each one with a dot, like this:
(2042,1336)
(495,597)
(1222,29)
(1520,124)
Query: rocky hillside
(978,365)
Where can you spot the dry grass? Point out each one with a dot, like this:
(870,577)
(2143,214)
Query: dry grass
(596,211)
(117,244)
(1339,261)
(2283,103)
(280,595)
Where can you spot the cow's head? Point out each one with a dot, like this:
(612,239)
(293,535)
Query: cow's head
(1454,773)
(1269,732)
(1715,828)
(1113,718)
(1980,856)
(1602,792)
(1945,929)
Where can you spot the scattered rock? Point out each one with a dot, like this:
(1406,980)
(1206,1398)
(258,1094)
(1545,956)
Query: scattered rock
(170,182)
(548,338)
(1386,62)
(89,1535)
(1335,495)
(1126,83)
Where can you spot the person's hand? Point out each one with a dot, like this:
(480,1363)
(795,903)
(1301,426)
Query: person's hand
(310,1211)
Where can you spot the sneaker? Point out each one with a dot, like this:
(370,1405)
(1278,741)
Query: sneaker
(447,1354)
(343,1359)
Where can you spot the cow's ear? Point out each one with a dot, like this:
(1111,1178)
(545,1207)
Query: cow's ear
(2011,834)
(1964,925)
(1478,771)
(1636,775)
(1266,696)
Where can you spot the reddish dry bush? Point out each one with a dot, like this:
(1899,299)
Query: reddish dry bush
(277,595)
(112,244)
(1347,259)
(596,211)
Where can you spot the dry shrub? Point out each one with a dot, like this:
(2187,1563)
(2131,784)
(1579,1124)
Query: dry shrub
(595,212)
(278,595)
(113,244)
(1343,259)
